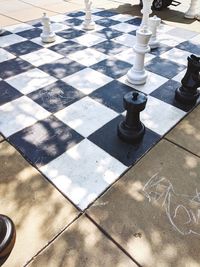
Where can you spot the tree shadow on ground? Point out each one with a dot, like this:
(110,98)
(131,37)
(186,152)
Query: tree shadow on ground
(82,245)
(38,210)
(157,224)
(167,14)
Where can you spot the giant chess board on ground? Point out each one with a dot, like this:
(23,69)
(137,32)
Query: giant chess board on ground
(60,103)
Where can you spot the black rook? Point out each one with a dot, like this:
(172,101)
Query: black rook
(188,93)
(131,130)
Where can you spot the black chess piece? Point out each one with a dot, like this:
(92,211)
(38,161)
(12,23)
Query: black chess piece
(7,237)
(131,130)
(188,93)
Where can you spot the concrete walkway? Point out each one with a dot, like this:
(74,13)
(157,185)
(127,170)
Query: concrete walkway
(15,11)
(124,227)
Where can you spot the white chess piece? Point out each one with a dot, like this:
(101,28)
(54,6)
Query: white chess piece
(154,23)
(137,74)
(88,23)
(146,11)
(194,10)
(47,35)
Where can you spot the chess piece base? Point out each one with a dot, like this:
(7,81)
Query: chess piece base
(154,44)
(190,15)
(192,12)
(186,98)
(197,16)
(88,25)
(48,38)
(136,77)
(130,135)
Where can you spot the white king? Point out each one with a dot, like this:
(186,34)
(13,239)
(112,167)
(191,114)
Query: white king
(137,74)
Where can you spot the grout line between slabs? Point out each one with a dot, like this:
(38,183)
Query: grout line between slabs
(132,166)
(43,176)
(182,147)
(112,240)
(52,240)
(103,192)
(122,174)
(17,20)
(31,5)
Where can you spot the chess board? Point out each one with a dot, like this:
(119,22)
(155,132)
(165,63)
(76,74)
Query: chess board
(60,103)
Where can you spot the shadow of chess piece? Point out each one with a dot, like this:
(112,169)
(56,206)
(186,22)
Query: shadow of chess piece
(7,237)
(188,93)
(132,130)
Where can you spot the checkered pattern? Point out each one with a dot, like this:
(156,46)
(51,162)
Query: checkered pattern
(60,103)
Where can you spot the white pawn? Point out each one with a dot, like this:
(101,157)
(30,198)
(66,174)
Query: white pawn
(194,10)
(154,23)
(47,35)
(88,24)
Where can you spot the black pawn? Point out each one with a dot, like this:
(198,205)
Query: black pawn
(188,93)
(131,130)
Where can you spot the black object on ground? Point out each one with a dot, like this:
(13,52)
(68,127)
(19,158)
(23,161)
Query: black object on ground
(7,237)
(188,93)
(131,130)
(161,4)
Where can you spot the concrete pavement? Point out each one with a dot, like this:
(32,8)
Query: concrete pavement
(124,227)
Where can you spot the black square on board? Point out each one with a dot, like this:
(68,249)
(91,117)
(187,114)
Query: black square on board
(160,50)
(106,22)
(56,96)
(166,93)
(67,47)
(13,67)
(111,95)
(109,47)
(112,67)
(164,67)
(105,13)
(62,68)
(189,46)
(109,33)
(45,140)
(30,34)
(8,93)
(135,21)
(73,22)
(75,14)
(107,139)
(70,33)
(23,48)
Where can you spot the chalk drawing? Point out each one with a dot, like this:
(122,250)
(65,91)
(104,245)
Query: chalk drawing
(183,211)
